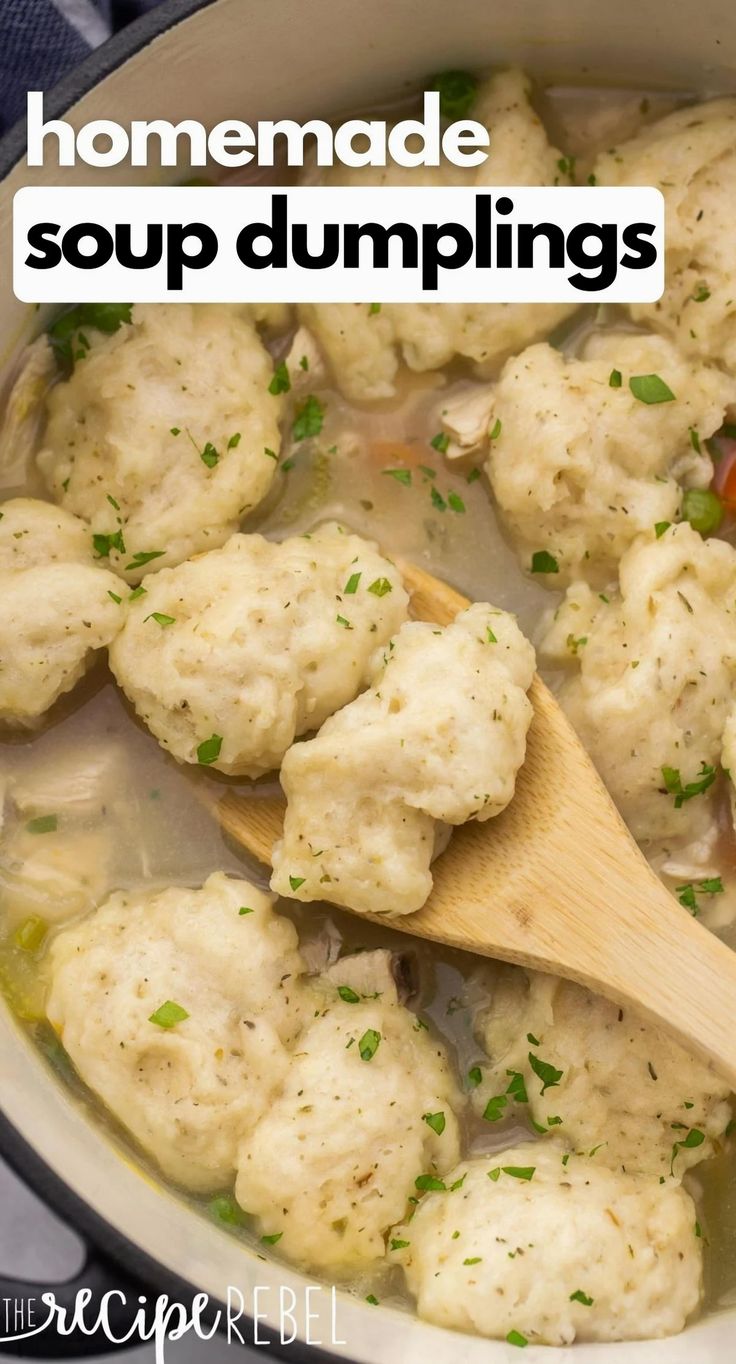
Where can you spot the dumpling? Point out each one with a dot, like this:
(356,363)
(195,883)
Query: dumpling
(365,347)
(57,607)
(618,1090)
(165,435)
(691,156)
(535,1246)
(580,466)
(230,657)
(176,1008)
(439,737)
(651,674)
(366,1109)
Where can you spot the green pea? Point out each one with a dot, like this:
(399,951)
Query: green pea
(457,92)
(703,509)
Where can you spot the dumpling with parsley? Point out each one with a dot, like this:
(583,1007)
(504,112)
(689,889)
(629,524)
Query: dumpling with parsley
(587,452)
(176,1008)
(617,1090)
(436,740)
(691,157)
(365,1117)
(538,1247)
(365,344)
(165,434)
(230,657)
(58,607)
(649,668)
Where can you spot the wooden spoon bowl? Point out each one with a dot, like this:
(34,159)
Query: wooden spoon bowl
(556,882)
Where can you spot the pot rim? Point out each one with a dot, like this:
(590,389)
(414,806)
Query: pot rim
(100,63)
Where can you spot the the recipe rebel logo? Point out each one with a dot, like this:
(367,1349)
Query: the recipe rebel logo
(264,1315)
(318,243)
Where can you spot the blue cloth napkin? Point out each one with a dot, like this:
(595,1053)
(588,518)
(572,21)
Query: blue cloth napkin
(40,40)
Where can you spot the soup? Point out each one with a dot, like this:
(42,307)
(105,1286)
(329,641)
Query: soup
(400,451)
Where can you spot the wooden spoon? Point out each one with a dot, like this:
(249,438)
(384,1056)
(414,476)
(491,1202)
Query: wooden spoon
(556,882)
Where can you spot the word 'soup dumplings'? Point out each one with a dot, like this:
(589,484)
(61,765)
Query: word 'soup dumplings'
(205,509)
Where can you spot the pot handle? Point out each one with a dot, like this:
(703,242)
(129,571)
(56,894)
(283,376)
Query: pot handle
(22,1310)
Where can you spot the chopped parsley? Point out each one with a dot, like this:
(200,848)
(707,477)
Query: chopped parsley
(160,619)
(368,1044)
(209,455)
(438,500)
(347,995)
(516,1338)
(430,1183)
(494,1109)
(380,587)
(650,388)
(270,453)
(103,543)
(144,557)
(688,892)
(455,502)
(272,1239)
(344,622)
(351,585)
(440,442)
(224,1209)
(580,1296)
(309,419)
(280,383)
(296,881)
(401,475)
(490,637)
(472,1260)
(209,750)
(695,440)
(496,429)
(245,909)
(548,1074)
(517,1087)
(660,527)
(137,592)
(701,292)
(457,91)
(114,597)
(673,783)
(544,562)
(475,1075)
(694,1138)
(614,378)
(525,1172)
(168,1015)
(103,317)
(372,1299)
(436,1121)
(397,1244)
(374,310)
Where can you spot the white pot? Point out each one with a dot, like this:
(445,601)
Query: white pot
(293,58)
